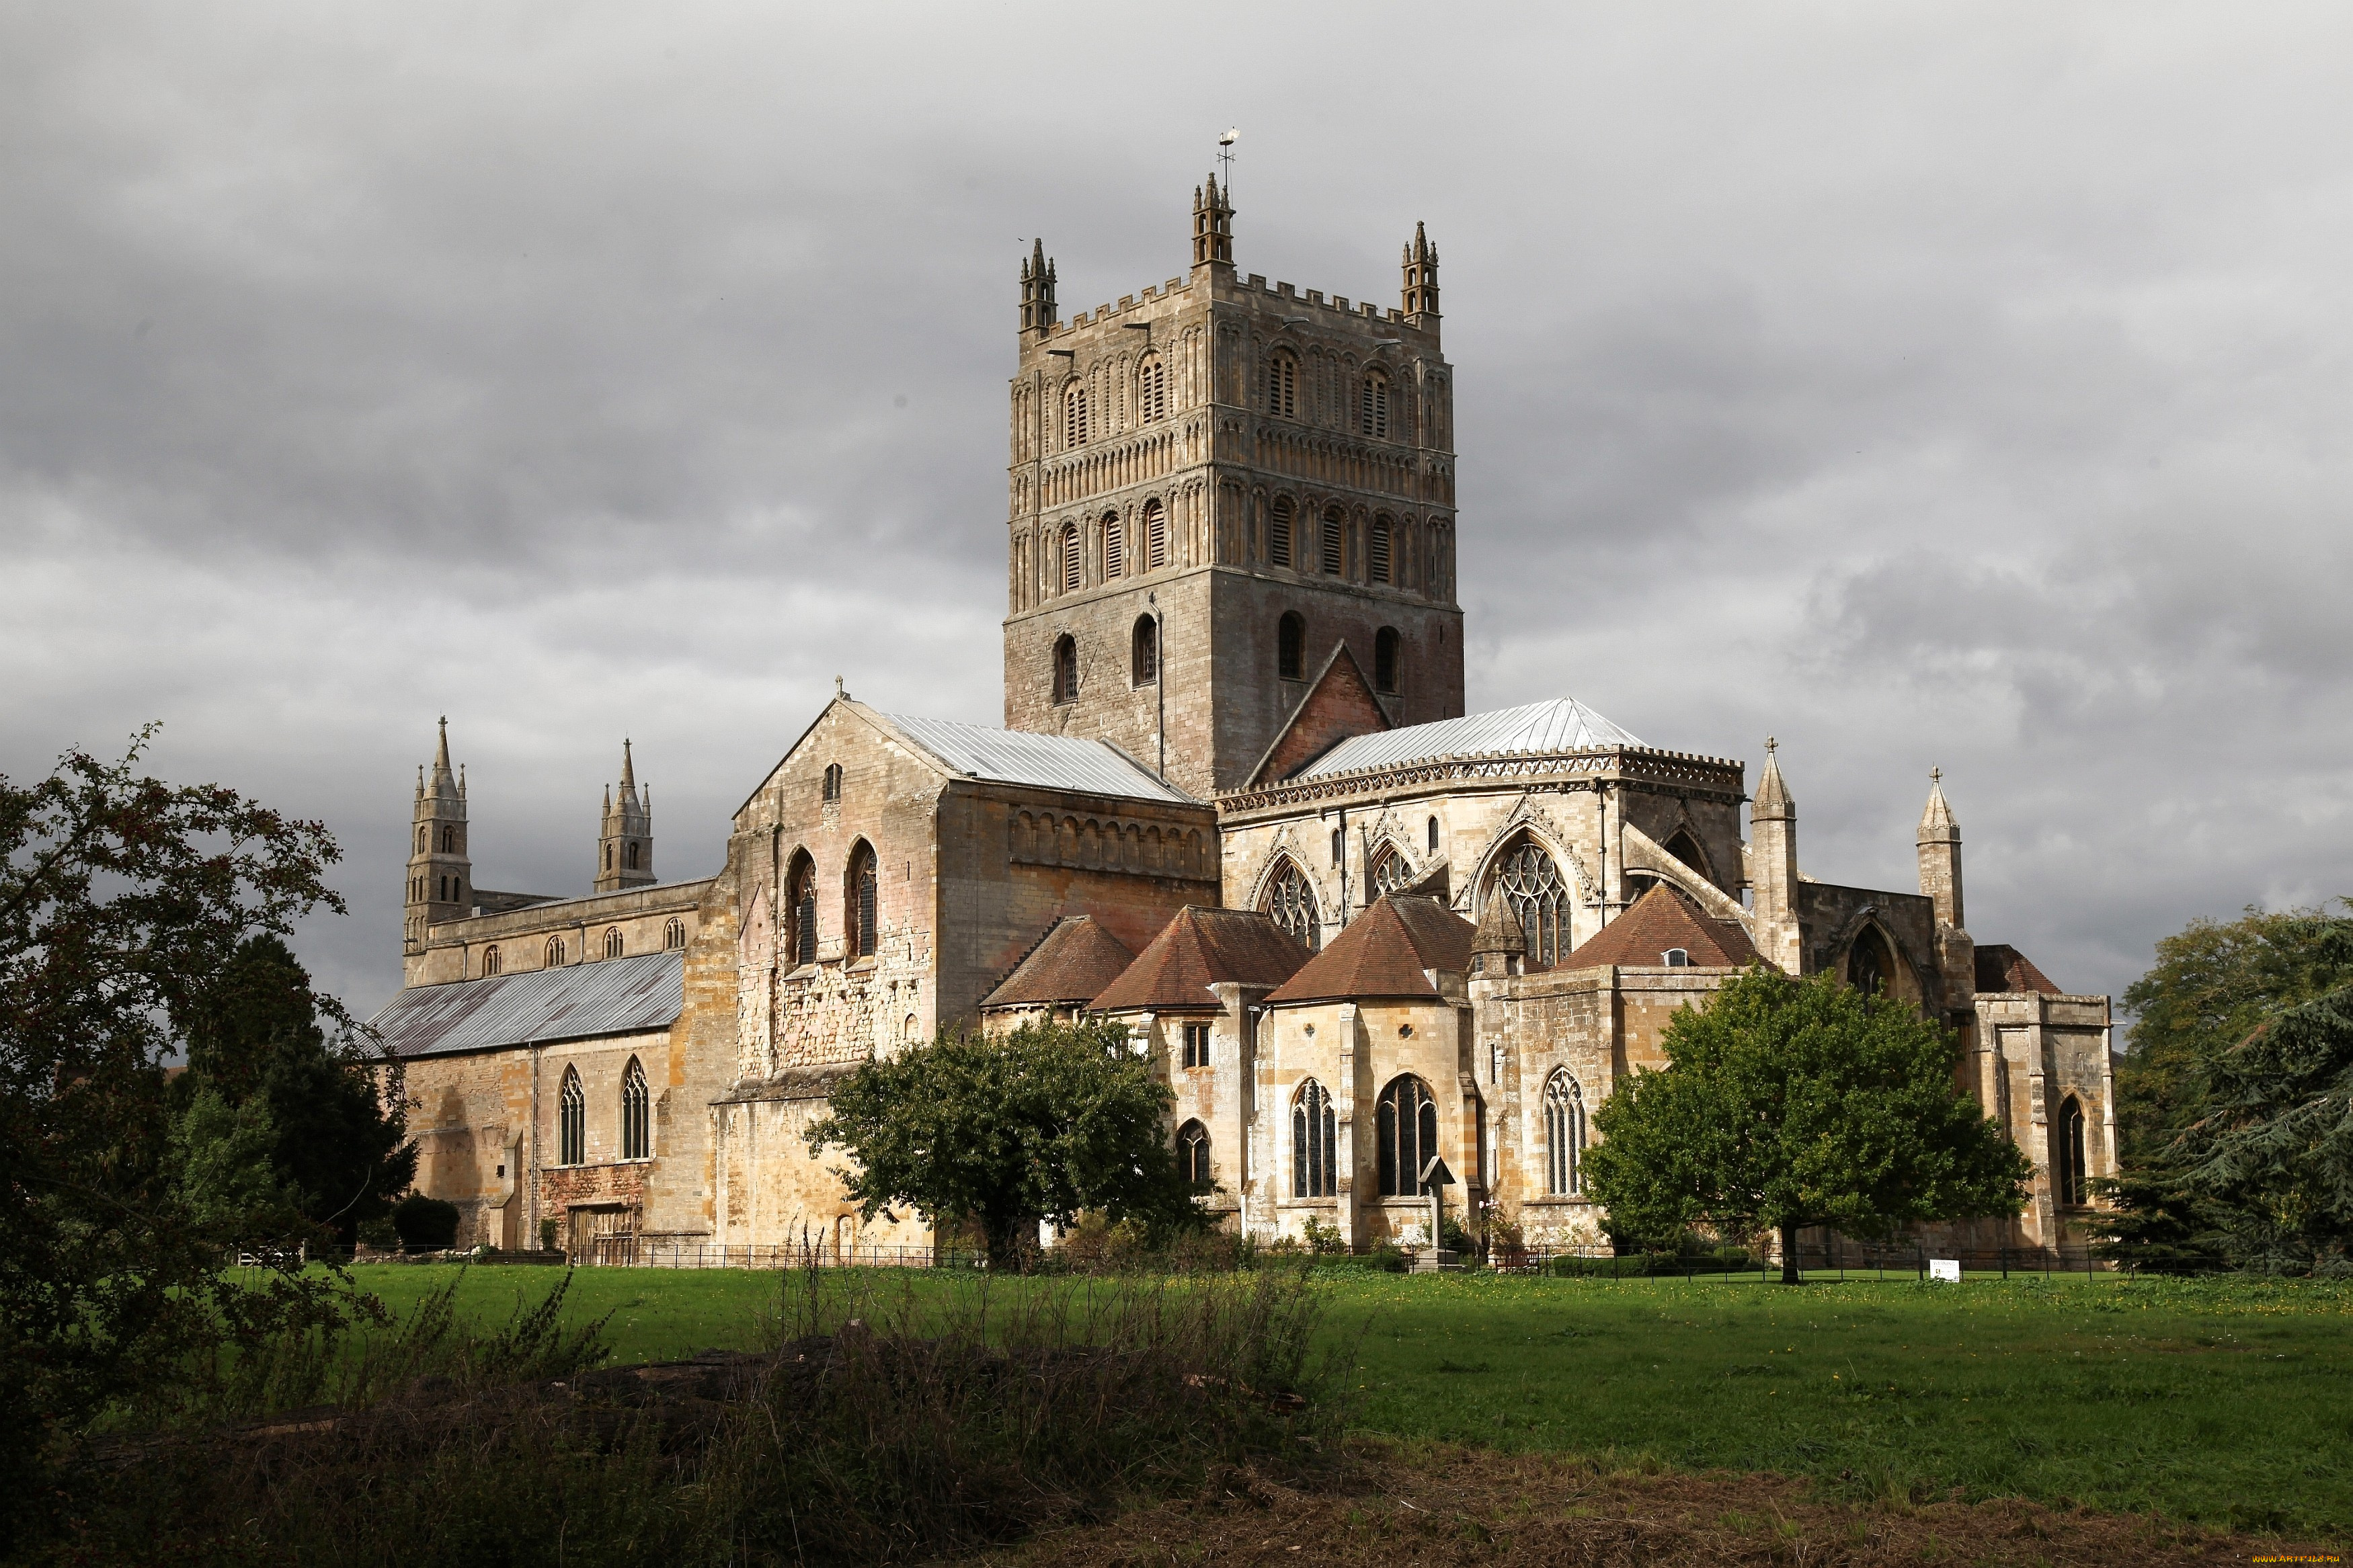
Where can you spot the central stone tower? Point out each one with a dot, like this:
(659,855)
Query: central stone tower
(1218,487)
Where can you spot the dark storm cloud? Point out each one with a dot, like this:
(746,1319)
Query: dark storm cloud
(1959,386)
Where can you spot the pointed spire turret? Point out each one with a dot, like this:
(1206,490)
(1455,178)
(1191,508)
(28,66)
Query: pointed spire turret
(1773,868)
(625,844)
(440,871)
(1213,226)
(1939,842)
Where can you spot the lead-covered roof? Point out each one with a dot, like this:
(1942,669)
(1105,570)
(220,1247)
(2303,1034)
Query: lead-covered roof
(571,1001)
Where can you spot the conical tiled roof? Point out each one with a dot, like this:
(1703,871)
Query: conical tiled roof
(1199,949)
(1386,951)
(1662,920)
(1077,959)
(1499,929)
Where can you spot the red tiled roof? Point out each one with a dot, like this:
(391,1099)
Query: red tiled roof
(2001,967)
(1076,959)
(1383,952)
(1660,919)
(1199,949)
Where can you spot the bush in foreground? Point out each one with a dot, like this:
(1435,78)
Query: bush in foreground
(884,1427)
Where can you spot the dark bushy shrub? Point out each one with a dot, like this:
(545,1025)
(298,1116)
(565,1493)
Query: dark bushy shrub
(425,1224)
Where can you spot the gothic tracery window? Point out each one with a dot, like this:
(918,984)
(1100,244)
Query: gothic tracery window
(555,950)
(1291,904)
(490,959)
(862,892)
(1869,965)
(674,934)
(572,1122)
(1193,1154)
(1314,1137)
(1390,873)
(801,899)
(1564,1120)
(1405,1135)
(614,947)
(637,1114)
(1539,900)
(2067,1153)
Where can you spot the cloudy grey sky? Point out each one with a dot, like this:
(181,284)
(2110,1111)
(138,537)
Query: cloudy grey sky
(1960,385)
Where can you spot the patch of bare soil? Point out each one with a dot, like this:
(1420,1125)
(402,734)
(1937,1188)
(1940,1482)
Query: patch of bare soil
(1444,1507)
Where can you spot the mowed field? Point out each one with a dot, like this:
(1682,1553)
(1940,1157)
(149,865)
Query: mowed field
(2226,1402)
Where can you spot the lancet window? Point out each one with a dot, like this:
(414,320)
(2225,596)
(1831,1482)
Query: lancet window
(1314,1137)
(637,1114)
(572,1122)
(1564,1120)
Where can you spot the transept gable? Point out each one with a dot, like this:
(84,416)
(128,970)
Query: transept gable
(1340,705)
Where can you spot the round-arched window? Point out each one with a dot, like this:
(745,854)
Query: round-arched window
(1291,646)
(1066,669)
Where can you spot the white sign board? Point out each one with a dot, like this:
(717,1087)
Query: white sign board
(1947,1268)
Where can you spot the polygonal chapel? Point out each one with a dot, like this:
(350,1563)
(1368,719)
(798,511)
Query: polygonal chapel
(1237,804)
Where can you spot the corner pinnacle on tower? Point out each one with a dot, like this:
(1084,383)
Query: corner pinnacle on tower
(1038,290)
(1213,227)
(1420,295)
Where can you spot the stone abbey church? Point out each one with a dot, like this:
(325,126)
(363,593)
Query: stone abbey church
(1236,804)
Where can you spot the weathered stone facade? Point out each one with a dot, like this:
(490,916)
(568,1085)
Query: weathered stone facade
(1234,700)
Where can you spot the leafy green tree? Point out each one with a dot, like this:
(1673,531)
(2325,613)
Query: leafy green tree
(121,898)
(1794,1102)
(2212,983)
(1037,1125)
(258,1035)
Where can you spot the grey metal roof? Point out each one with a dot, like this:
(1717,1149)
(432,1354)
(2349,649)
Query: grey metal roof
(1563,724)
(1048,762)
(610,996)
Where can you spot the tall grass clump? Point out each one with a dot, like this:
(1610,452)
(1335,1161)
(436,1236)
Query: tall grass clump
(885,1423)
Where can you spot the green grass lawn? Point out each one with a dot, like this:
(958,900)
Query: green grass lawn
(2223,1400)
